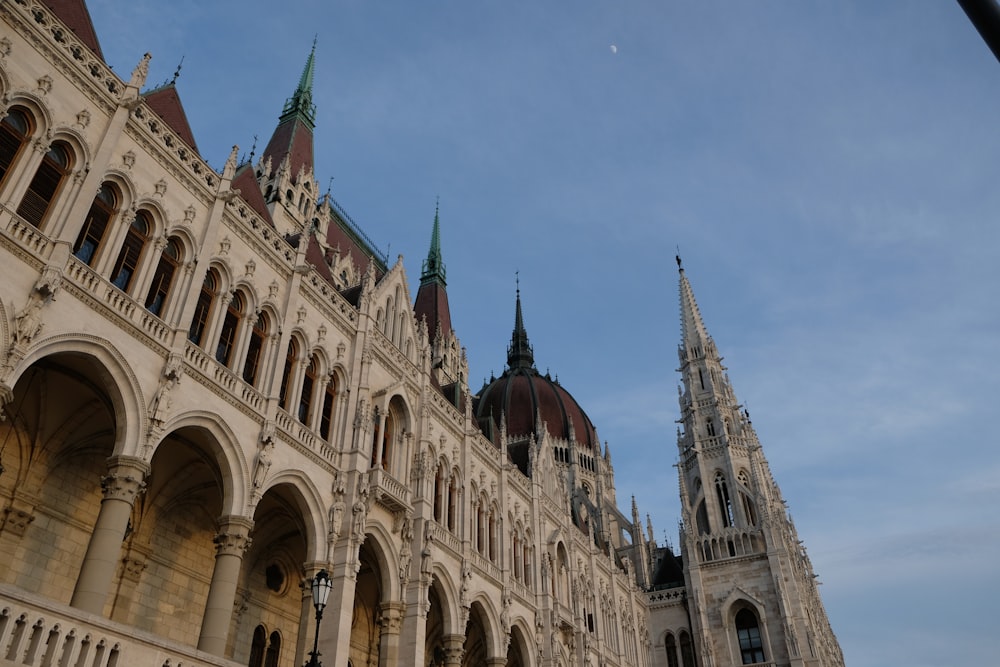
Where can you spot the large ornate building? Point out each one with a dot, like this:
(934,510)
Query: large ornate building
(214,386)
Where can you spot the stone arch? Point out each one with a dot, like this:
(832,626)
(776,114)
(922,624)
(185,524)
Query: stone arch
(5,341)
(118,378)
(521,649)
(39,112)
(737,600)
(309,503)
(482,633)
(442,578)
(374,587)
(227,454)
(82,155)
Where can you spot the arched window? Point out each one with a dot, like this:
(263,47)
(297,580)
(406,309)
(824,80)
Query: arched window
(701,517)
(748,509)
(687,649)
(45,184)
(305,398)
(725,503)
(710,426)
(14,132)
(230,328)
(286,374)
(748,633)
(329,403)
(439,493)
(671,645)
(131,252)
(382,447)
(273,650)
(203,308)
(257,647)
(452,501)
(258,334)
(163,277)
(105,206)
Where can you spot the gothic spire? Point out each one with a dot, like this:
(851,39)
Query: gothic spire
(432,295)
(694,335)
(519,354)
(433,268)
(300,104)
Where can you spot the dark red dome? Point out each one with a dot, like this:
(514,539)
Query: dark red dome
(522,396)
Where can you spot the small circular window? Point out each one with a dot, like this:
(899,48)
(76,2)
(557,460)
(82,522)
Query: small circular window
(275,577)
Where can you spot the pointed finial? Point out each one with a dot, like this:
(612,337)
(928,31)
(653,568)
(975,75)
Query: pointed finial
(253,148)
(680,267)
(177,72)
(140,72)
(329,187)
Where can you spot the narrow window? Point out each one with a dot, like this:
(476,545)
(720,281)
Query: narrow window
(748,509)
(203,309)
(687,650)
(258,334)
(438,493)
(163,277)
(14,131)
(725,503)
(96,224)
(748,632)
(45,184)
(286,375)
(710,426)
(257,647)
(273,650)
(230,327)
(701,517)
(131,252)
(329,402)
(452,501)
(671,645)
(305,398)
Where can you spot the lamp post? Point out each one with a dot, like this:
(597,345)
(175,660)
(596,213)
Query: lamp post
(321,587)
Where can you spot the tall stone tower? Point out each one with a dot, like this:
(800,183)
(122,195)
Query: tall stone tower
(750,585)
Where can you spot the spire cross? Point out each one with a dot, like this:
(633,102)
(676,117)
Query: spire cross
(177,72)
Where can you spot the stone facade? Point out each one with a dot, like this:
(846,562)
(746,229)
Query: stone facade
(214,386)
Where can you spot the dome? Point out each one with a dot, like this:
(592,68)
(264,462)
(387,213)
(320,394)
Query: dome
(522,397)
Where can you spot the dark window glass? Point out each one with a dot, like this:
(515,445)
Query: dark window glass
(202,310)
(45,184)
(748,632)
(329,401)
(14,131)
(163,278)
(131,252)
(305,398)
(101,211)
(286,375)
(230,327)
(257,336)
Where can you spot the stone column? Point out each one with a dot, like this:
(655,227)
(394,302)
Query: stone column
(231,541)
(496,662)
(121,485)
(335,631)
(454,649)
(391,622)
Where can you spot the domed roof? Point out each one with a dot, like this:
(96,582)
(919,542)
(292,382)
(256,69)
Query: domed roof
(522,397)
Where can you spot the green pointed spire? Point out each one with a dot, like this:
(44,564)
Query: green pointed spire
(300,104)
(433,268)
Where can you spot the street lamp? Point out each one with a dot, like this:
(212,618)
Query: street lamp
(321,587)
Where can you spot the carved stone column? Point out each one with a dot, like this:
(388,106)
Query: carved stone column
(496,662)
(391,622)
(307,612)
(454,649)
(121,485)
(231,541)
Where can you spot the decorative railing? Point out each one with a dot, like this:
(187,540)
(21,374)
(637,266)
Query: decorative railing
(441,535)
(730,543)
(41,633)
(486,567)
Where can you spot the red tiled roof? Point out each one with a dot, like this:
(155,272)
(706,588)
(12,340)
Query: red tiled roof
(167,104)
(75,15)
(432,303)
(246,182)
(294,139)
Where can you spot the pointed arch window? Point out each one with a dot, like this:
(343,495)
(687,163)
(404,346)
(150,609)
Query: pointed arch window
(725,503)
(382,447)
(104,207)
(439,493)
(748,634)
(273,650)
(203,308)
(230,328)
(15,129)
(687,649)
(257,647)
(163,277)
(308,383)
(128,258)
(45,184)
(329,403)
(671,645)
(452,501)
(258,334)
(286,375)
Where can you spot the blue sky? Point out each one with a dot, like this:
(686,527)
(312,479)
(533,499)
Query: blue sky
(827,169)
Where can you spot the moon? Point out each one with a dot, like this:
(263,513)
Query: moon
(614,49)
